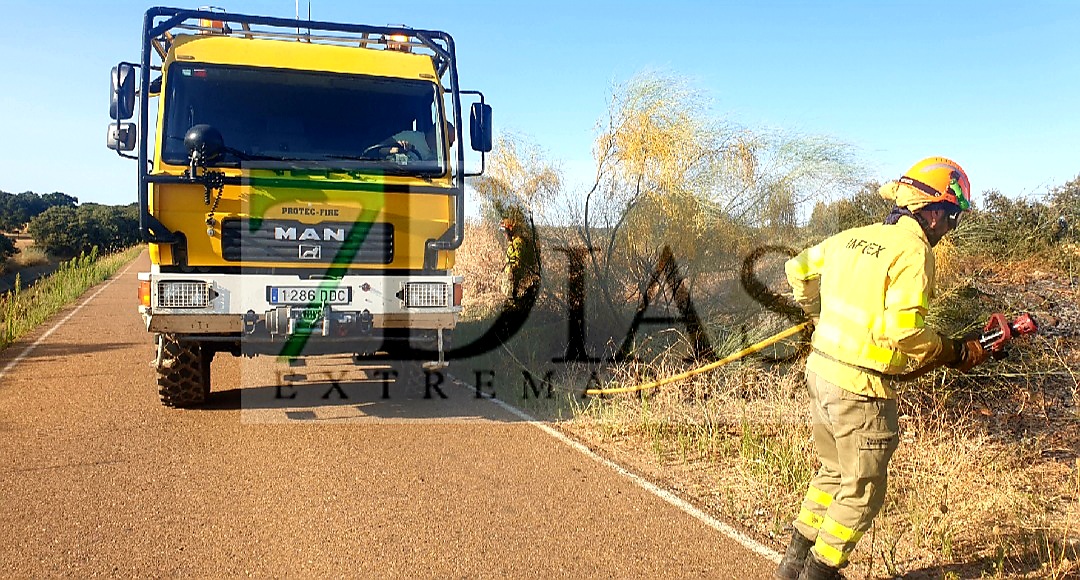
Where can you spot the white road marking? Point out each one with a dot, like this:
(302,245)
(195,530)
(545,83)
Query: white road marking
(746,541)
(26,351)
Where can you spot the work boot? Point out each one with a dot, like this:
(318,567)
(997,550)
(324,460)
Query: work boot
(815,569)
(794,557)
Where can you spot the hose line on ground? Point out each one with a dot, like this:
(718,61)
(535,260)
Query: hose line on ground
(713,365)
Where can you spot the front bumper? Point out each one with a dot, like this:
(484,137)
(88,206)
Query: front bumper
(241,305)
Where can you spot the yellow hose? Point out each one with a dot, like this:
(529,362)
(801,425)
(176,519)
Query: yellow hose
(713,365)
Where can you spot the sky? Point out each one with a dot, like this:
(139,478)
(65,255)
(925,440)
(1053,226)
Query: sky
(991,84)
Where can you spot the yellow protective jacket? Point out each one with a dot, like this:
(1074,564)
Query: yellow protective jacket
(870,287)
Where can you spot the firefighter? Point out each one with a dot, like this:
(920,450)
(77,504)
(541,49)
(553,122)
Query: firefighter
(521,264)
(867,290)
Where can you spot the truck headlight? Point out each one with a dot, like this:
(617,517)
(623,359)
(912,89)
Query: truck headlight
(427,295)
(183,294)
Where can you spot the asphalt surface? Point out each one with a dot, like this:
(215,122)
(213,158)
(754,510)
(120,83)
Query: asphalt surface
(97,478)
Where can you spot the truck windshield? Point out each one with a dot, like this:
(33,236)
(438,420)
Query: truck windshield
(321,119)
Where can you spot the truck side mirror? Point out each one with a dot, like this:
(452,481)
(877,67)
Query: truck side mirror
(480,127)
(122,136)
(122,95)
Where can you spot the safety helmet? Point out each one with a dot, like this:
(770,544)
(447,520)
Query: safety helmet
(935,180)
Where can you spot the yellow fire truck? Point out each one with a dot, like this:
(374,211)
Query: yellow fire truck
(300,187)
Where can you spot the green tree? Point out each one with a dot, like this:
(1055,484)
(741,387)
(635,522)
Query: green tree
(17,210)
(7,248)
(27,205)
(57,198)
(1065,202)
(56,231)
(863,208)
(66,231)
(1007,228)
(9,219)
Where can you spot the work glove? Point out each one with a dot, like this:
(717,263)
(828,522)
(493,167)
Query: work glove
(812,311)
(968,354)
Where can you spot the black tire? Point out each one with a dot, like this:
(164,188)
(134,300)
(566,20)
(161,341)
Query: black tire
(184,378)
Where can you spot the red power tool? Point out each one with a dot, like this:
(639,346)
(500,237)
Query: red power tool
(999,330)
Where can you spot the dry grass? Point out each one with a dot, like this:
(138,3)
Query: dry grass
(734,440)
(30,256)
(27,256)
(960,502)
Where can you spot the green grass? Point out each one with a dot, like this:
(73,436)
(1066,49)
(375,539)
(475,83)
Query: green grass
(22,311)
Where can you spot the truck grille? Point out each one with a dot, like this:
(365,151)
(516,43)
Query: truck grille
(293,241)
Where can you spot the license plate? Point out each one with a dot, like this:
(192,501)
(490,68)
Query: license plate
(308,295)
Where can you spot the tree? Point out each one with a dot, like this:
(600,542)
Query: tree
(519,178)
(27,205)
(17,210)
(67,231)
(55,231)
(863,208)
(672,175)
(10,215)
(1007,227)
(1065,202)
(7,248)
(57,198)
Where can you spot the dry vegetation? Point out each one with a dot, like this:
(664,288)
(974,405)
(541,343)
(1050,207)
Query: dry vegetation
(985,484)
(28,256)
(987,479)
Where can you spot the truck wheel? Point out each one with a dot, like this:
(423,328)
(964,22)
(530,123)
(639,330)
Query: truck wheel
(184,376)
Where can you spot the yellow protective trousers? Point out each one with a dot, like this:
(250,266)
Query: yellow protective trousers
(855,436)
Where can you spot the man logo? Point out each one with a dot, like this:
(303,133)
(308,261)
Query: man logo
(328,234)
(310,252)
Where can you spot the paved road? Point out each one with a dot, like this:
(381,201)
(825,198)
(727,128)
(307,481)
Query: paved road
(96,478)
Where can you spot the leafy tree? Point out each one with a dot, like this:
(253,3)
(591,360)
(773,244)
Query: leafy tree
(27,205)
(66,231)
(57,198)
(1007,227)
(54,231)
(7,248)
(1065,202)
(863,208)
(668,175)
(17,210)
(9,214)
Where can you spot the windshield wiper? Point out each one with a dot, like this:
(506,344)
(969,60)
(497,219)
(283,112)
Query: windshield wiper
(245,156)
(354,157)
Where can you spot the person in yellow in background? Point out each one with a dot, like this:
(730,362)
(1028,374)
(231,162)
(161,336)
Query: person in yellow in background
(521,263)
(867,290)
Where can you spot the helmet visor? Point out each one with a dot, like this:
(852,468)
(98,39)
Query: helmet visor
(960,190)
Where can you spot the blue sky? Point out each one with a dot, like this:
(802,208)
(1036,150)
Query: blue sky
(990,84)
